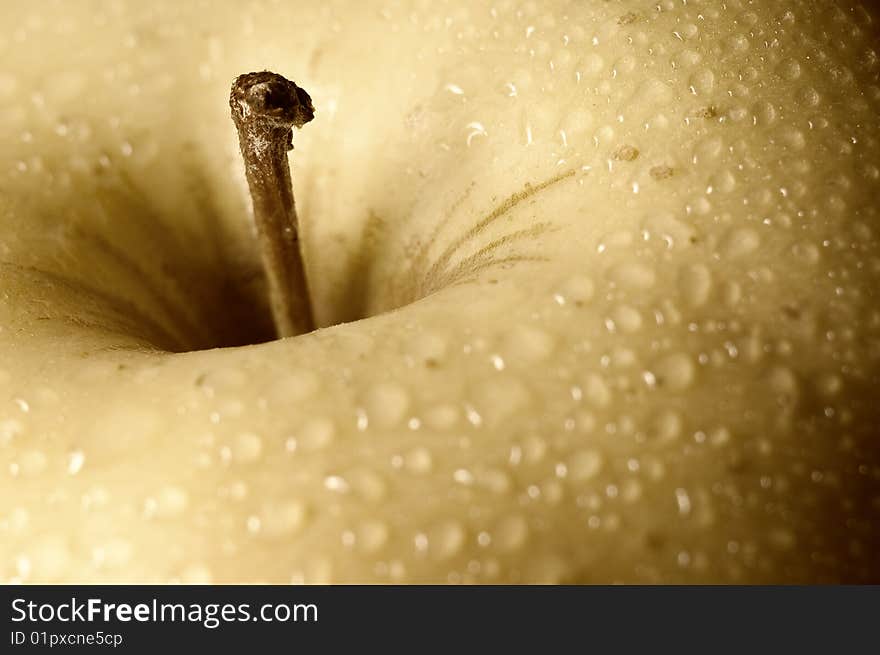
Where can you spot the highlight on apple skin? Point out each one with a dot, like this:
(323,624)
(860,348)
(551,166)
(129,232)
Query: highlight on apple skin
(595,282)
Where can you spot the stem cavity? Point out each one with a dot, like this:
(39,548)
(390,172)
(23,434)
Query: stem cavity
(265,109)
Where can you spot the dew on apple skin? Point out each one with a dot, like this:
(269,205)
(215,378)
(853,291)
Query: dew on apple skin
(668,230)
(246,447)
(626,318)
(316,433)
(418,461)
(282,517)
(293,387)
(784,383)
(631,491)
(571,355)
(442,417)
(474,129)
(584,465)
(495,481)
(371,536)
(10,428)
(367,484)
(547,569)
(48,559)
(31,463)
(701,81)
(113,554)
(829,385)
(76,459)
(444,540)
(809,97)
(429,348)
(683,501)
(666,427)
(577,290)
(595,390)
(528,344)
(632,276)
(386,404)
(336,483)
(215,381)
(196,574)
(497,399)
(531,450)
(676,371)
(168,502)
(695,284)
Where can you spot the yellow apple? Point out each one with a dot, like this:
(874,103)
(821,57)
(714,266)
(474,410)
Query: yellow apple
(596,285)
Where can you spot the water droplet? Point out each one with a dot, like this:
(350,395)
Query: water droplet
(442,417)
(419,461)
(75,462)
(336,483)
(595,391)
(115,553)
(627,319)
(246,447)
(429,347)
(782,538)
(315,434)
(546,570)
(474,129)
(8,85)
(807,252)
(196,574)
(294,387)
(371,536)
(577,290)
(830,385)
(219,380)
(633,276)
(495,481)
(387,404)
(676,371)
(282,518)
(463,476)
(32,462)
(584,465)
(667,426)
(170,501)
(528,344)
(784,384)
(695,284)
(702,81)
(631,491)
(49,559)
(368,484)
(499,398)
(683,501)
(446,539)
(740,242)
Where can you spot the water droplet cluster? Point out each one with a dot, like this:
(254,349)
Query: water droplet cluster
(644,245)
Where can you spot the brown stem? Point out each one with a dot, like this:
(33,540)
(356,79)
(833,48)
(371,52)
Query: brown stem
(265,108)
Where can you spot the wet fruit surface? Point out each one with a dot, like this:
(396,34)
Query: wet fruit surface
(631,252)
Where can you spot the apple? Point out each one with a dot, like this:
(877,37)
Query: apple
(595,286)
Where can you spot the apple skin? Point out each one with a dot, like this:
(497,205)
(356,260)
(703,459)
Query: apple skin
(609,272)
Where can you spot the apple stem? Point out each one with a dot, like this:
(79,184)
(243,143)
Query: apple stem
(265,108)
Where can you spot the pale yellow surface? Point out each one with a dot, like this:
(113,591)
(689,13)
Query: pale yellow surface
(631,249)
